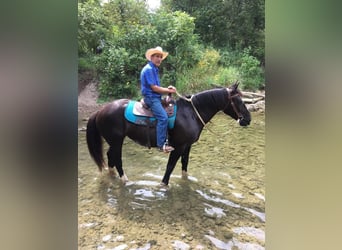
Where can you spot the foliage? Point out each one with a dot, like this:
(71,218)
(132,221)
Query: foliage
(208,44)
(234,24)
(209,61)
(201,76)
(251,72)
(211,71)
(115,68)
(226,76)
(175,33)
(93,27)
(124,58)
(86,63)
(125,13)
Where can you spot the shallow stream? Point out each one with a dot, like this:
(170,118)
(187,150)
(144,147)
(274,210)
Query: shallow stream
(220,206)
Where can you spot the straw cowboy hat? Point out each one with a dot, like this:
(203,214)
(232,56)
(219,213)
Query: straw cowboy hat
(156,50)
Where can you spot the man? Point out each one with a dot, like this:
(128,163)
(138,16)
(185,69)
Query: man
(152,92)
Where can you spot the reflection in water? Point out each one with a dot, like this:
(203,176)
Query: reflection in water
(214,211)
(215,199)
(254,232)
(220,206)
(233,243)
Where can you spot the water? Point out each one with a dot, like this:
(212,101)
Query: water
(220,206)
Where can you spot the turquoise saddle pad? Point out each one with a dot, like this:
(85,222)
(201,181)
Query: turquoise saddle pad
(145,120)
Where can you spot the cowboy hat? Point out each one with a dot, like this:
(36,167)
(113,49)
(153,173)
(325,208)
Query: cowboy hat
(156,50)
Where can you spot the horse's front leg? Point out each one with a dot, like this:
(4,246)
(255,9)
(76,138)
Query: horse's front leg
(185,161)
(173,158)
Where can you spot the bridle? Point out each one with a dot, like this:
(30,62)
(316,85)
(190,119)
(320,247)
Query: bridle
(230,99)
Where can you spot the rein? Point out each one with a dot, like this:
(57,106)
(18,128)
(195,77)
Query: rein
(193,106)
(230,98)
(196,111)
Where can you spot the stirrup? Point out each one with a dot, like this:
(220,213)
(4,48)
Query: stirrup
(166,148)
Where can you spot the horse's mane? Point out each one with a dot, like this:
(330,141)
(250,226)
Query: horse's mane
(205,97)
(212,96)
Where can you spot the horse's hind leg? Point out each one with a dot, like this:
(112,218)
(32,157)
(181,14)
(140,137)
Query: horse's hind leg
(185,161)
(114,155)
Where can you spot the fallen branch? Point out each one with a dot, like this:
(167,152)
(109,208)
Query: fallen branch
(252,94)
(252,100)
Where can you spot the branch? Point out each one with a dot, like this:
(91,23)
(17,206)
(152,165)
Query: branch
(252,100)
(252,94)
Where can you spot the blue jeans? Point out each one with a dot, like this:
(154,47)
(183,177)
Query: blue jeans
(161,116)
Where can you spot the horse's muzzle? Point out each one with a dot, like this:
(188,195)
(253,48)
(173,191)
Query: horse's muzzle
(243,122)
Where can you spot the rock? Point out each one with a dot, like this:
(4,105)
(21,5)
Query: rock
(100,247)
(220,244)
(82,129)
(121,247)
(259,106)
(120,238)
(153,242)
(228,235)
(189,238)
(106,238)
(180,245)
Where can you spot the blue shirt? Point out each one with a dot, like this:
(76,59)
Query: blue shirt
(149,76)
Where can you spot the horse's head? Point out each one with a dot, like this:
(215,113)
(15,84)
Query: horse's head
(236,108)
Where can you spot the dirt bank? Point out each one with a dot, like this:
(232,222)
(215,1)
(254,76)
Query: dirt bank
(87,95)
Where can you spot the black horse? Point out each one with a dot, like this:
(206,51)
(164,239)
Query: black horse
(192,115)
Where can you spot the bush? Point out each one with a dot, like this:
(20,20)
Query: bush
(194,81)
(85,63)
(118,77)
(251,73)
(229,58)
(226,76)
(209,62)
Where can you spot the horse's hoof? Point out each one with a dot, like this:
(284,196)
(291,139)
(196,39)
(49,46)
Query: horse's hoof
(184,175)
(111,172)
(124,179)
(162,185)
(129,183)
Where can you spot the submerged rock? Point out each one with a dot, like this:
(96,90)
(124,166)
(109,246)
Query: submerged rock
(180,245)
(219,244)
(120,238)
(121,247)
(106,238)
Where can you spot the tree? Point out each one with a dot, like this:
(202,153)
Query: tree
(93,26)
(175,33)
(125,13)
(235,24)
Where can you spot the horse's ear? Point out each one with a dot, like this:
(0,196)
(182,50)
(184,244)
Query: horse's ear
(235,86)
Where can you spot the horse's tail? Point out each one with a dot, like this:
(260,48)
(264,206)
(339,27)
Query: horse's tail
(94,142)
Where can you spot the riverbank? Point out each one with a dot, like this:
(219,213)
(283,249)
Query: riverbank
(88,95)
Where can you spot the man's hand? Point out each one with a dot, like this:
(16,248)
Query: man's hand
(163,90)
(172,89)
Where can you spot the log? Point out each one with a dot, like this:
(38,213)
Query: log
(251,94)
(252,100)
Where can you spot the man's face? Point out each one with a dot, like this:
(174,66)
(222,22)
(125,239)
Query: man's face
(156,59)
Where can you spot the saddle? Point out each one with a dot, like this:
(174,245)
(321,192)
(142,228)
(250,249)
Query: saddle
(139,113)
(142,109)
